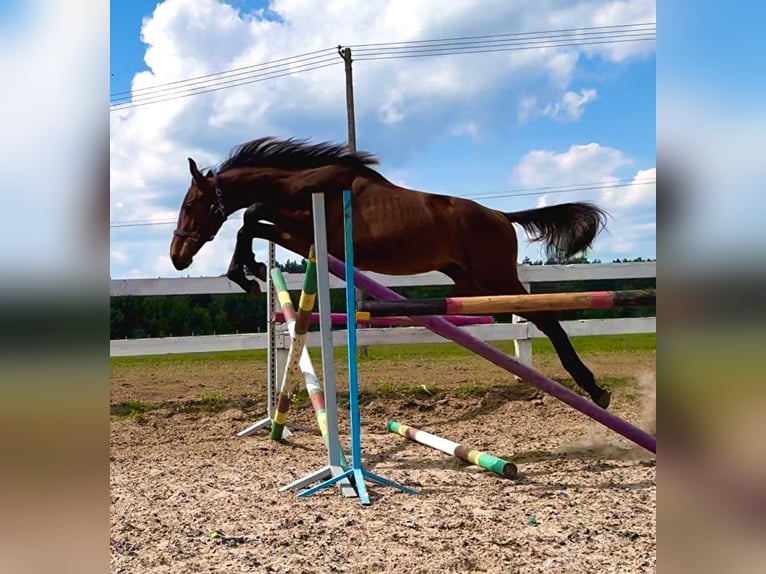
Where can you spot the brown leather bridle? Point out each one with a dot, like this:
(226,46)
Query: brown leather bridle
(216,209)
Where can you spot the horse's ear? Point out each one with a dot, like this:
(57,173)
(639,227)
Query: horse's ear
(195,172)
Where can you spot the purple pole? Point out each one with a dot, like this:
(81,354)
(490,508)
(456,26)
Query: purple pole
(340,319)
(441,327)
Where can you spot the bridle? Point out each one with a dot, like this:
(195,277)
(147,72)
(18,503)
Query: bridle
(216,209)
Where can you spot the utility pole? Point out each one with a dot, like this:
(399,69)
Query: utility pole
(345,53)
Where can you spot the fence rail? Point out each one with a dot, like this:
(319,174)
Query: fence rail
(527,274)
(379,336)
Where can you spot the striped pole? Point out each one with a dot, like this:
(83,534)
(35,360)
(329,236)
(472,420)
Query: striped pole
(298,340)
(441,327)
(508,303)
(340,319)
(467,454)
(314,389)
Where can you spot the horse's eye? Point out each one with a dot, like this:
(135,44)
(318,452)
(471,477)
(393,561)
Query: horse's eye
(187,209)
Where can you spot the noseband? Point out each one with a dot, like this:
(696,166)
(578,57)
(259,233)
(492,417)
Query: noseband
(216,209)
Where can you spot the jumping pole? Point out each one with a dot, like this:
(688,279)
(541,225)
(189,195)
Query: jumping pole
(442,327)
(315,392)
(471,455)
(297,343)
(508,303)
(363,319)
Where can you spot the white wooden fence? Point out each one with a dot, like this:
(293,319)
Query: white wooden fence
(521,332)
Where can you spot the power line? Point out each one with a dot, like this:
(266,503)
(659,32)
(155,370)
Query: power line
(209,82)
(498,40)
(224,85)
(242,69)
(326,57)
(565,189)
(520,192)
(490,50)
(618,27)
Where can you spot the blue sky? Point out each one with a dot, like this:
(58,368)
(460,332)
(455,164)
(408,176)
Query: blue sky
(126,51)
(503,124)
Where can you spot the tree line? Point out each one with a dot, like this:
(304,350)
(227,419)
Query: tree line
(183,315)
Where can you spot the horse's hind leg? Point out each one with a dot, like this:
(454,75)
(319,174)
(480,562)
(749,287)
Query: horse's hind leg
(465,286)
(549,324)
(506,282)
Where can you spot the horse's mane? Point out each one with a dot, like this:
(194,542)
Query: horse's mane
(292,153)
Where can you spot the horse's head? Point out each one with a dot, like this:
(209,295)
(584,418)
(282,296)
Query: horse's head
(202,215)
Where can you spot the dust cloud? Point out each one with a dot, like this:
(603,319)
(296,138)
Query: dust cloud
(601,442)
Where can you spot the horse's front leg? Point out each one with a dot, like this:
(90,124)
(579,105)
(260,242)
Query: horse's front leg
(243,251)
(275,234)
(236,270)
(244,258)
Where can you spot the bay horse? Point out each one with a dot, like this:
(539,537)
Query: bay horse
(396,231)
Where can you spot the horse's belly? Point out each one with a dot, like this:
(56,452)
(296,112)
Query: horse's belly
(400,259)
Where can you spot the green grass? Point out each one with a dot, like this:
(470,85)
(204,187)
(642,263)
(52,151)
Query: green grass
(640,343)
(188,358)
(300,397)
(592,344)
(388,390)
(131,409)
(473,390)
(213,400)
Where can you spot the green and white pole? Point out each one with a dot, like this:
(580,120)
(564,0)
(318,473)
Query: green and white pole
(465,453)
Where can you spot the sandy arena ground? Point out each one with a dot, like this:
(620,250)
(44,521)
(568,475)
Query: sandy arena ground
(187,495)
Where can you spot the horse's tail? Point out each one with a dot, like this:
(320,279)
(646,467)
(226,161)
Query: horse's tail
(566,228)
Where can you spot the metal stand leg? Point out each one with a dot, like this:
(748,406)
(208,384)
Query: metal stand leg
(333,470)
(276,357)
(356,472)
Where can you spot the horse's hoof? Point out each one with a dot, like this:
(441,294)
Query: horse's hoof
(603,399)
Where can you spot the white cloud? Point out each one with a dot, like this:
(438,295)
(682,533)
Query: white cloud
(640,193)
(118,255)
(527,108)
(466,129)
(391,110)
(400,104)
(581,163)
(569,107)
(604,176)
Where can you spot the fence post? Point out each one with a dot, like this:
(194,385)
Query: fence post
(523,347)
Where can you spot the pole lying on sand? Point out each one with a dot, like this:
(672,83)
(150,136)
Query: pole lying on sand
(508,303)
(442,327)
(467,454)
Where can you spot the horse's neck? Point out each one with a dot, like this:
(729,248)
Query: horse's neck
(245,186)
(283,187)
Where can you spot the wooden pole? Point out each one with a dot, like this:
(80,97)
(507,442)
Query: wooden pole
(345,53)
(508,303)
